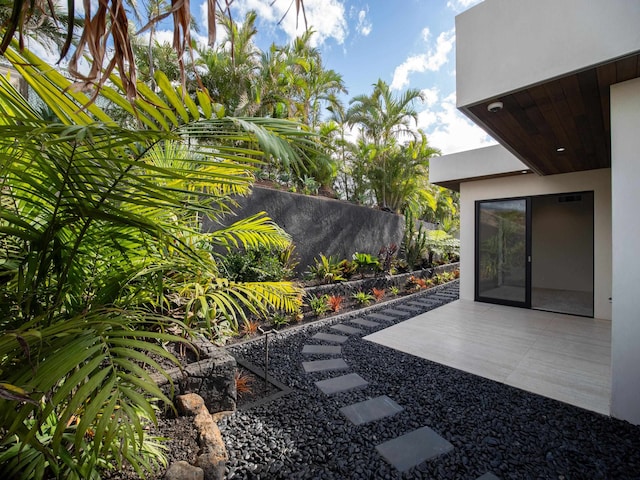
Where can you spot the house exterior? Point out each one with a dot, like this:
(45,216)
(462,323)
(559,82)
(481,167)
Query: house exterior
(550,217)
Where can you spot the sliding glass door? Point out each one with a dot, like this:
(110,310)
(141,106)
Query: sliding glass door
(502,252)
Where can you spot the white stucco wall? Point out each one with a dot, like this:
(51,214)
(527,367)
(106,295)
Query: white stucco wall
(505,45)
(598,181)
(625,180)
(481,162)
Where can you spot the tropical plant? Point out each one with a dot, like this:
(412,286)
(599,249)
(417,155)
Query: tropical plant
(335,302)
(363,298)
(365,262)
(387,257)
(319,304)
(250,327)
(280,319)
(395,291)
(378,293)
(442,246)
(258,264)
(327,269)
(100,227)
(414,243)
(244,383)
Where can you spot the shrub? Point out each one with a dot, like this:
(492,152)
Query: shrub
(387,257)
(319,305)
(363,298)
(335,302)
(378,293)
(327,269)
(395,291)
(259,264)
(365,262)
(280,320)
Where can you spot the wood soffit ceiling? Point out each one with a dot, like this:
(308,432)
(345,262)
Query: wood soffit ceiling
(570,112)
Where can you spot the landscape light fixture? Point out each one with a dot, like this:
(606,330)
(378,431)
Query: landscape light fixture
(560,149)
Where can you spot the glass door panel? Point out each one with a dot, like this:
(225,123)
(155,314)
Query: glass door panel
(502,269)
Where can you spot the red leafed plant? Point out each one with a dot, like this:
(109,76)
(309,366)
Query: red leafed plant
(335,302)
(378,293)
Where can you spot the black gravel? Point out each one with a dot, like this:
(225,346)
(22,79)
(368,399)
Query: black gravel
(493,427)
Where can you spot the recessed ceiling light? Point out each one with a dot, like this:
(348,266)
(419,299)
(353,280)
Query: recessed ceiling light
(524,171)
(560,149)
(495,107)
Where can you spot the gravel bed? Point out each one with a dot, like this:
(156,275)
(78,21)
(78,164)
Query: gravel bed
(493,427)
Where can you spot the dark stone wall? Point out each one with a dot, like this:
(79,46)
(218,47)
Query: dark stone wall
(322,225)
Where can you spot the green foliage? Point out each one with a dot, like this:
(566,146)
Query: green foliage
(395,291)
(414,243)
(365,262)
(280,319)
(103,251)
(327,269)
(442,246)
(363,298)
(260,264)
(319,305)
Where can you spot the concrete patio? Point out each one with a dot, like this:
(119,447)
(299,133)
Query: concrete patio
(563,357)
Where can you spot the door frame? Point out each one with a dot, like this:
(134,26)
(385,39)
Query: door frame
(528,249)
(527,255)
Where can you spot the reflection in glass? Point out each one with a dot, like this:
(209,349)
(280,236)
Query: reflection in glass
(502,250)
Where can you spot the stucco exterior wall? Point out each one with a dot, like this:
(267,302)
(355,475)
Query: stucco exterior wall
(625,180)
(322,225)
(505,45)
(598,181)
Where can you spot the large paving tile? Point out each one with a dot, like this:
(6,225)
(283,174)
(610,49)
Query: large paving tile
(322,350)
(381,316)
(322,365)
(330,337)
(364,323)
(340,384)
(371,410)
(413,448)
(396,312)
(346,329)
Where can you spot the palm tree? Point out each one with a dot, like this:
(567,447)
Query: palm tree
(109,25)
(100,227)
(384,119)
(230,70)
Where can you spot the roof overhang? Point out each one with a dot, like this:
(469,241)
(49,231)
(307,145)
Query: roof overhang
(547,68)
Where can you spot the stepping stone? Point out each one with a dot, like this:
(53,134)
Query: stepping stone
(397,313)
(413,448)
(419,304)
(322,350)
(371,410)
(322,365)
(409,308)
(341,384)
(488,476)
(364,323)
(381,316)
(346,329)
(330,337)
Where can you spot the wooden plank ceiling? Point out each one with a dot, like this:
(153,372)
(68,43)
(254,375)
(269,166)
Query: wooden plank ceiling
(571,112)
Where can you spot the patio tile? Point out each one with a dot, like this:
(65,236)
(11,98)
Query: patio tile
(346,329)
(371,410)
(381,316)
(364,323)
(322,365)
(322,350)
(330,337)
(341,384)
(413,448)
(397,313)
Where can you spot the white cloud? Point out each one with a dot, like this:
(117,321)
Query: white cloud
(431,61)
(449,130)
(430,96)
(325,17)
(364,26)
(460,5)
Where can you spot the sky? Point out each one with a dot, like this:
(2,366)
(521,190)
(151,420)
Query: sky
(406,43)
